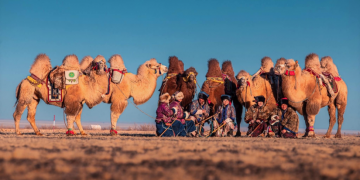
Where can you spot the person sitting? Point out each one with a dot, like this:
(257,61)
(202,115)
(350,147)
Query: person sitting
(181,115)
(257,116)
(164,119)
(225,118)
(284,119)
(200,110)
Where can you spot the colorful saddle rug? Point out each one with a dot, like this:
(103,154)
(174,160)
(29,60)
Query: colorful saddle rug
(332,80)
(54,94)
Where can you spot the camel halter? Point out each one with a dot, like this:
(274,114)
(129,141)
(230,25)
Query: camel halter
(156,68)
(186,79)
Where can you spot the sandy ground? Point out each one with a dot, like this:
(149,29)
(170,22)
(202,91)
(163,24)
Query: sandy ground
(142,155)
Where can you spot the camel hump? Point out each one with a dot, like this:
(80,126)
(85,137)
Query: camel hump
(327,65)
(214,68)
(312,62)
(99,58)
(181,63)
(41,65)
(85,62)
(71,62)
(175,65)
(227,68)
(116,62)
(266,64)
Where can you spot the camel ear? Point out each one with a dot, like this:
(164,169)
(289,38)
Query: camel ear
(296,63)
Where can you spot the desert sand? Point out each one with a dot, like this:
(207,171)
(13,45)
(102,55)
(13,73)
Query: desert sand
(142,155)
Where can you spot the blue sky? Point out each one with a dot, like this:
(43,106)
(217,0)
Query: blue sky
(195,31)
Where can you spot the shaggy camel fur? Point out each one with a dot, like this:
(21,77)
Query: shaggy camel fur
(308,96)
(187,84)
(170,83)
(89,91)
(266,66)
(215,87)
(140,87)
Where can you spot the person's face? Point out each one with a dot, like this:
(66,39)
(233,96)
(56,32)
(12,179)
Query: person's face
(225,102)
(260,103)
(284,106)
(201,101)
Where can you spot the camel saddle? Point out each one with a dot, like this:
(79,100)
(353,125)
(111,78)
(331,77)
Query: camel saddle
(332,80)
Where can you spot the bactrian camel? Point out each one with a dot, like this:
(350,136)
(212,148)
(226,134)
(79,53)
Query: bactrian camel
(29,92)
(140,87)
(307,95)
(222,81)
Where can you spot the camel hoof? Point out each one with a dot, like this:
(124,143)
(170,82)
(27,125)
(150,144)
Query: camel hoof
(337,135)
(238,134)
(326,136)
(83,133)
(19,133)
(113,133)
(38,134)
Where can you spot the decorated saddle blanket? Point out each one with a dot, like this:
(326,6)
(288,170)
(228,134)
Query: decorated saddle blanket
(332,80)
(54,94)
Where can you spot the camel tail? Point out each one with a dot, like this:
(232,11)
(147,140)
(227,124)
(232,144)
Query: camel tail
(17,93)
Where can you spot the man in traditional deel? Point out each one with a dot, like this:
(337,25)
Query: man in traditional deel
(164,119)
(284,121)
(257,117)
(200,110)
(225,118)
(182,116)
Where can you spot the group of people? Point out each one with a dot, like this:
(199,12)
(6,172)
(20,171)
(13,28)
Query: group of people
(172,120)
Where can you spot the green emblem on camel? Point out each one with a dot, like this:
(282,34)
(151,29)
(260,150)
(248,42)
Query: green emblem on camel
(71,74)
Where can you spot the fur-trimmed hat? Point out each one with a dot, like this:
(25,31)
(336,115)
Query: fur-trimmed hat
(178,95)
(203,95)
(225,96)
(259,99)
(165,98)
(284,101)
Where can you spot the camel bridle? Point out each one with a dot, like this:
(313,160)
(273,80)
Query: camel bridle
(157,68)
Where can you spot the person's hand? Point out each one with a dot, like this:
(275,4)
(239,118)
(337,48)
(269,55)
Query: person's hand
(277,117)
(252,121)
(203,111)
(283,131)
(258,121)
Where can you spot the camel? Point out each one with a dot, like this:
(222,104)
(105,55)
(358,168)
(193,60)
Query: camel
(187,85)
(170,83)
(219,82)
(259,84)
(307,96)
(34,87)
(140,87)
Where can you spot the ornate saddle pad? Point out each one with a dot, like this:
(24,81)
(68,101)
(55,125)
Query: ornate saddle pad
(54,94)
(332,80)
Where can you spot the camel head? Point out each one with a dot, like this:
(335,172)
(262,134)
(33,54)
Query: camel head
(243,79)
(99,65)
(190,75)
(280,66)
(291,65)
(266,64)
(153,67)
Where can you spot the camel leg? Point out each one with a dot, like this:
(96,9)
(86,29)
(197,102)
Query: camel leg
(307,125)
(70,122)
(31,116)
(17,117)
(116,109)
(332,120)
(311,120)
(341,111)
(78,122)
(239,109)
